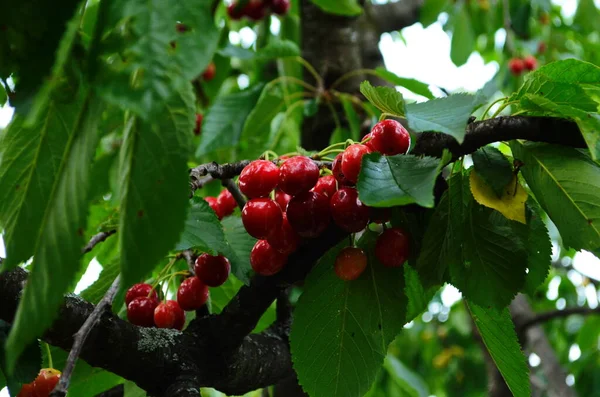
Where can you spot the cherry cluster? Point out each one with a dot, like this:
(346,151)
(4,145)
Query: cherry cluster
(294,201)
(223,205)
(42,385)
(257,9)
(518,65)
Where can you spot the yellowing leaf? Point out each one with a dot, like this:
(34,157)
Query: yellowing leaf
(512,202)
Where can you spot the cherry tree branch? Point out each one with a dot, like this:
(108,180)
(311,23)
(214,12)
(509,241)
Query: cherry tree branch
(394,16)
(97,239)
(551,315)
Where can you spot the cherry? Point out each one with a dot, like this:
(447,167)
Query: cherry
(380,215)
(138,290)
(348,212)
(351,161)
(265,259)
(516,66)
(350,263)
(298,174)
(389,137)
(530,62)
(308,213)
(210,72)
(261,217)
(181,27)
(226,203)
(259,178)
(169,315)
(192,294)
(214,204)
(45,382)
(212,270)
(326,185)
(367,141)
(392,247)
(282,199)
(140,311)
(198,128)
(336,169)
(255,10)
(234,11)
(280,7)
(286,240)
(27,390)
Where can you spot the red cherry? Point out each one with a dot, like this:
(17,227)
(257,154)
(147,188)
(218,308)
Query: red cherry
(212,270)
(234,11)
(213,203)
(261,217)
(367,141)
(326,185)
(138,290)
(226,203)
(192,294)
(259,178)
(266,260)
(351,161)
(282,199)
(516,66)
(350,263)
(280,7)
(140,311)
(348,212)
(255,10)
(210,72)
(27,390)
(45,382)
(392,247)
(308,213)
(336,169)
(198,128)
(530,62)
(169,315)
(390,137)
(286,240)
(298,174)
(380,215)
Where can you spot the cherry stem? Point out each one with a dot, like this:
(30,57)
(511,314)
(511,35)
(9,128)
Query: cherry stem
(235,192)
(490,107)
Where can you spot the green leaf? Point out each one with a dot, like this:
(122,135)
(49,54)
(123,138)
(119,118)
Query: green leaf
(278,49)
(351,117)
(539,248)
(386,181)
(493,167)
(339,7)
(463,38)
(27,366)
(95,292)
(241,244)
(587,15)
(430,11)
(448,115)
(413,85)
(3,95)
(407,380)
(154,186)
(132,390)
(341,330)
(59,240)
(386,99)
(498,333)
(566,183)
(202,230)
(222,125)
(418,296)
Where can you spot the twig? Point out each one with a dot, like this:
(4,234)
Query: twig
(196,184)
(96,239)
(235,192)
(80,337)
(544,317)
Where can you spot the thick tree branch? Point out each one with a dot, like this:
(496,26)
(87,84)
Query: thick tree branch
(394,16)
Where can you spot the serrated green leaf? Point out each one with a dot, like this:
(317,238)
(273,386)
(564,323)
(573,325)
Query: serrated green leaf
(498,333)
(539,248)
(154,186)
(278,49)
(493,167)
(339,7)
(448,115)
(341,330)
(222,125)
(463,38)
(418,296)
(413,85)
(386,181)
(95,292)
(202,230)
(59,240)
(27,366)
(566,184)
(241,244)
(386,99)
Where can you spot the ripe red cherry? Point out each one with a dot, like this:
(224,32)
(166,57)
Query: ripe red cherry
(45,382)
(210,72)
(226,203)
(392,247)
(27,390)
(351,161)
(138,290)
(286,240)
(259,178)
(213,203)
(192,294)
(336,169)
(348,212)
(212,270)
(530,62)
(265,259)
(350,263)
(298,174)
(389,137)
(367,141)
(198,128)
(261,217)
(169,315)
(140,311)
(255,10)
(380,215)
(308,213)
(326,185)
(234,11)
(280,7)
(516,66)
(282,199)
